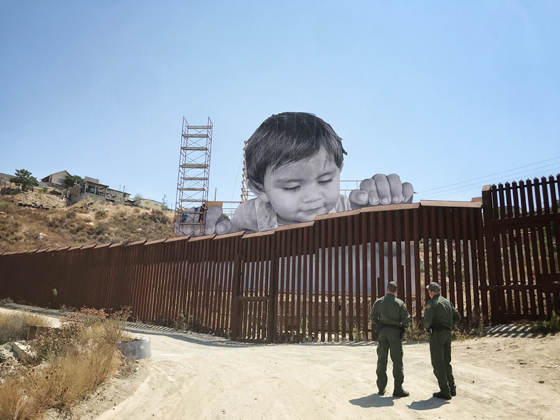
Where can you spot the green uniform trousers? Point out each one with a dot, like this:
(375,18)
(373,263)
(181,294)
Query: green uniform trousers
(440,352)
(389,340)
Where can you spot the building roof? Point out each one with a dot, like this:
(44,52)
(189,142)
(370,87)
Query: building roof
(46,179)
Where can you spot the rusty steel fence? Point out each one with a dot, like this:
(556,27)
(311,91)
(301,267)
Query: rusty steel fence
(317,281)
(522,227)
(309,281)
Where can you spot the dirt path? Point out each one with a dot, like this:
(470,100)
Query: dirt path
(508,374)
(192,376)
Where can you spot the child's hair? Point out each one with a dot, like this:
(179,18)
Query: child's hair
(289,137)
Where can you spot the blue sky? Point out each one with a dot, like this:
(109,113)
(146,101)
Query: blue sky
(450,95)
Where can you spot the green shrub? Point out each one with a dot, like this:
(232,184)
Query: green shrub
(7,207)
(551,326)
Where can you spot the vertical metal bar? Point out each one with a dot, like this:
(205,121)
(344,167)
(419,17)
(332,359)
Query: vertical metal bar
(458,300)
(366,304)
(466,264)
(350,242)
(338,302)
(534,234)
(491,250)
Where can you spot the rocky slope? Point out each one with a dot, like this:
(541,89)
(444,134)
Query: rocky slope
(41,219)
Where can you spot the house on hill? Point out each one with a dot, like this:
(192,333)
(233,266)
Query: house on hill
(5,178)
(55,180)
(145,203)
(91,188)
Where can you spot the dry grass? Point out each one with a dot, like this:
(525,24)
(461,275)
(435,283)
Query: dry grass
(100,222)
(66,367)
(14,326)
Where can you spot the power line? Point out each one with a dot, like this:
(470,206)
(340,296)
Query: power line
(497,173)
(478,186)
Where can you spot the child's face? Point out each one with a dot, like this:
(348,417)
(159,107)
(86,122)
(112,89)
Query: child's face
(304,189)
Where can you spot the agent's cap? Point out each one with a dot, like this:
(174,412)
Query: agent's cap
(433,287)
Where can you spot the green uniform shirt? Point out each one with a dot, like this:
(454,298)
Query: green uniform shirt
(389,310)
(440,311)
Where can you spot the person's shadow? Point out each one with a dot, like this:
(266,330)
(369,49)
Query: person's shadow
(429,404)
(374,400)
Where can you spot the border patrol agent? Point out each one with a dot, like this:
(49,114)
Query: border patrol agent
(390,316)
(439,318)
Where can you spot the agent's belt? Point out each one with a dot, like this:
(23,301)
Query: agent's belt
(439,327)
(396,327)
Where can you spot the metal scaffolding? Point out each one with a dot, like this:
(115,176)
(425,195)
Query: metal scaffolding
(193,179)
(244,186)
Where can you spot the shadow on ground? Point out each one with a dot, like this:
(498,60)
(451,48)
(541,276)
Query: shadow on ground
(374,400)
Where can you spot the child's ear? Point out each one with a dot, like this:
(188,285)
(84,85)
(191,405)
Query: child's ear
(258,190)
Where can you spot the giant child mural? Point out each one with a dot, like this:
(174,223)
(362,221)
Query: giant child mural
(294,160)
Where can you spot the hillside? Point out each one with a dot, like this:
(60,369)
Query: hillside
(49,222)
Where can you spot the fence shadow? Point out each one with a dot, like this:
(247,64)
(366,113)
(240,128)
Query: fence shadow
(510,330)
(190,337)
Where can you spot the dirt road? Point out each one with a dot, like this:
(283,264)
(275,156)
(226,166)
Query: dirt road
(192,376)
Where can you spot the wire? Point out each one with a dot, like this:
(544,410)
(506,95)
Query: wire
(497,173)
(478,186)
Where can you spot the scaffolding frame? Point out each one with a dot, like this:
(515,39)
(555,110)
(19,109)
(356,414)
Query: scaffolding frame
(193,179)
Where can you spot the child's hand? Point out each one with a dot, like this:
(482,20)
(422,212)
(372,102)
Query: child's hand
(381,190)
(215,221)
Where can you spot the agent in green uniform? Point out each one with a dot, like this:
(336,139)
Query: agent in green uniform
(390,316)
(439,318)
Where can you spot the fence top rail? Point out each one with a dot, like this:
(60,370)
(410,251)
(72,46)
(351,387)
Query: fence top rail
(203,238)
(179,238)
(229,235)
(295,226)
(156,241)
(141,242)
(391,207)
(257,234)
(457,204)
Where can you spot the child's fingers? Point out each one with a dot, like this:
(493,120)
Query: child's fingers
(395,185)
(383,189)
(368,185)
(223,227)
(408,192)
(359,197)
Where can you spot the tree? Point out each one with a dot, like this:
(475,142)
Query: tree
(164,206)
(24,180)
(72,180)
(137,197)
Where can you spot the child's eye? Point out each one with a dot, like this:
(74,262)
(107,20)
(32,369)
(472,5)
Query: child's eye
(325,181)
(291,188)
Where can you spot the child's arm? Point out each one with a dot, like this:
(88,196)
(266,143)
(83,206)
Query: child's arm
(244,218)
(381,190)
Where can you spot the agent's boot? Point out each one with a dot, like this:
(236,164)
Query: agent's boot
(399,393)
(442,396)
(453,391)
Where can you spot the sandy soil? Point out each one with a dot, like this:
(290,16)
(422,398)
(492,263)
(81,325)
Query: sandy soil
(507,374)
(192,376)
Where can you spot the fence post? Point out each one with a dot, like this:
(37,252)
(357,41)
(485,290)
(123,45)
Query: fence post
(235,292)
(490,254)
(273,297)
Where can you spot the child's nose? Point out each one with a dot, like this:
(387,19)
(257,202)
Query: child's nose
(311,194)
